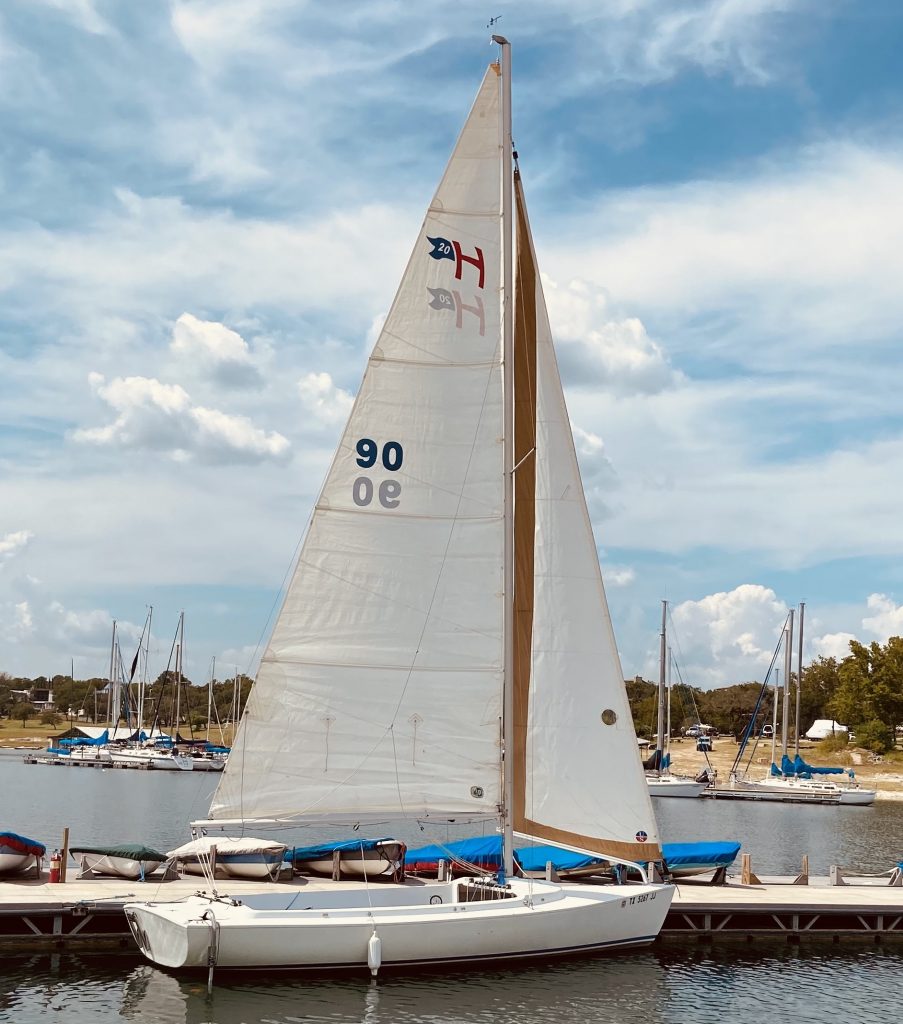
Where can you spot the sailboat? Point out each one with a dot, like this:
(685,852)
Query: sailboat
(438,653)
(793,782)
(659,779)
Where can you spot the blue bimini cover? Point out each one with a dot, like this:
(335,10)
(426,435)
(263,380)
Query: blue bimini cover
(699,855)
(483,852)
(15,843)
(801,768)
(535,858)
(324,851)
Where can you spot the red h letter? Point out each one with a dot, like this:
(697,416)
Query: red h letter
(474,261)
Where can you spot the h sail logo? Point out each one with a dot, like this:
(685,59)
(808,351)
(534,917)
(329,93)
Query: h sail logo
(445,249)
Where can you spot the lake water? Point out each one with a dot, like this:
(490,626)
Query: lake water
(668,984)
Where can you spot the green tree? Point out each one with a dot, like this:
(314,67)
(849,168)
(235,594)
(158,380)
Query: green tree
(870,693)
(51,718)
(22,711)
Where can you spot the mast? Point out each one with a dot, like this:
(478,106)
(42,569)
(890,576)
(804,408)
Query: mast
(180,647)
(660,725)
(774,710)
(110,701)
(508,470)
(799,681)
(142,681)
(210,696)
(788,671)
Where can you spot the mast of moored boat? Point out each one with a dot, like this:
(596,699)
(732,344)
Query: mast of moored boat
(179,654)
(110,702)
(507,145)
(799,680)
(660,725)
(788,671)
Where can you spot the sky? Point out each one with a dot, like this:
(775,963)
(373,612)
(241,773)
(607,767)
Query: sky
(206,207)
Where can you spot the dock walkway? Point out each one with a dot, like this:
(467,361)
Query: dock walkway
(87,915)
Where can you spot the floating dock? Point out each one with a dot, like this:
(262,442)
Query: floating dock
(87,915)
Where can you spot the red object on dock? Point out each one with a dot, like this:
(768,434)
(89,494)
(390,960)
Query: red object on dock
(55,865)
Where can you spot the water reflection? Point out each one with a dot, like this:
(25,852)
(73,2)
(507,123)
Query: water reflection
(811,984)
(615,989)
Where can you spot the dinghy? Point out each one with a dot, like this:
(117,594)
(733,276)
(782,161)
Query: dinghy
(123,860)
(17,853)
(444,651)
(252,859)
(357,858)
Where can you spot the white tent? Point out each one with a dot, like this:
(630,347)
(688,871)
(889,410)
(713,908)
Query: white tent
(822,728)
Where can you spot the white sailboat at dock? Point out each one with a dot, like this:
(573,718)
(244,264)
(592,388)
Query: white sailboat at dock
(444,651)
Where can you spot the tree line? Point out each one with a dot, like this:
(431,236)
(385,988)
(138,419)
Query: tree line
(863,691)
(85,701)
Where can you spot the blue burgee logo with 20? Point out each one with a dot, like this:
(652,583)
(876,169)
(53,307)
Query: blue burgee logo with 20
(450,249)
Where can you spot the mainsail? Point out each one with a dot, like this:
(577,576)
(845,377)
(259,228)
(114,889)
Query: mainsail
(380,691)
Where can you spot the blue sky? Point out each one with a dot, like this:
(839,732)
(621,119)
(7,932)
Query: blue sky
(206,207)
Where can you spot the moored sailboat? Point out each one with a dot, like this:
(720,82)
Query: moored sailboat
(444,651)
(660,780)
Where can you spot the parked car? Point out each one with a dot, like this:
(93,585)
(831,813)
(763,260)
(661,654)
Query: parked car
(767,731)
(693,731)
(703,742)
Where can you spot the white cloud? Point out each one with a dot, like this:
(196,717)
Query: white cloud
(806,241)
(22,623)
(328,403)
(618,576)
(886,619)
(586,442)
(161,417)
(13,543)
(832,645)
(216,347)
(727,637)
(594,348)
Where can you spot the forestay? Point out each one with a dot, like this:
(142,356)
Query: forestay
(380,691)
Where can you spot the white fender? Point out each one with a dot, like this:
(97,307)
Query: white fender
(374,953)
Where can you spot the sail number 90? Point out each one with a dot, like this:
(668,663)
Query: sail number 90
(389,491)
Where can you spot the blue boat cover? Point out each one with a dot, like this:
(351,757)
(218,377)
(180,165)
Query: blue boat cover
(687,855)
(535,858)
(325,850)
(484,852)
(802,770)
(84,741)
(21,844)
(211,748)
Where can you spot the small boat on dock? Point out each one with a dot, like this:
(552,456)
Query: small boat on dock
(252,859)
(18,853)
(355,858)
(122,860)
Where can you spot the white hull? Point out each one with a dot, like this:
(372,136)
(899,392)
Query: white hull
(384,861)
(675,785)
(334,929)
(807,791)
(87,754)
(14,863)
(208,764)
(259,867)
(118,867)
(158,760)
